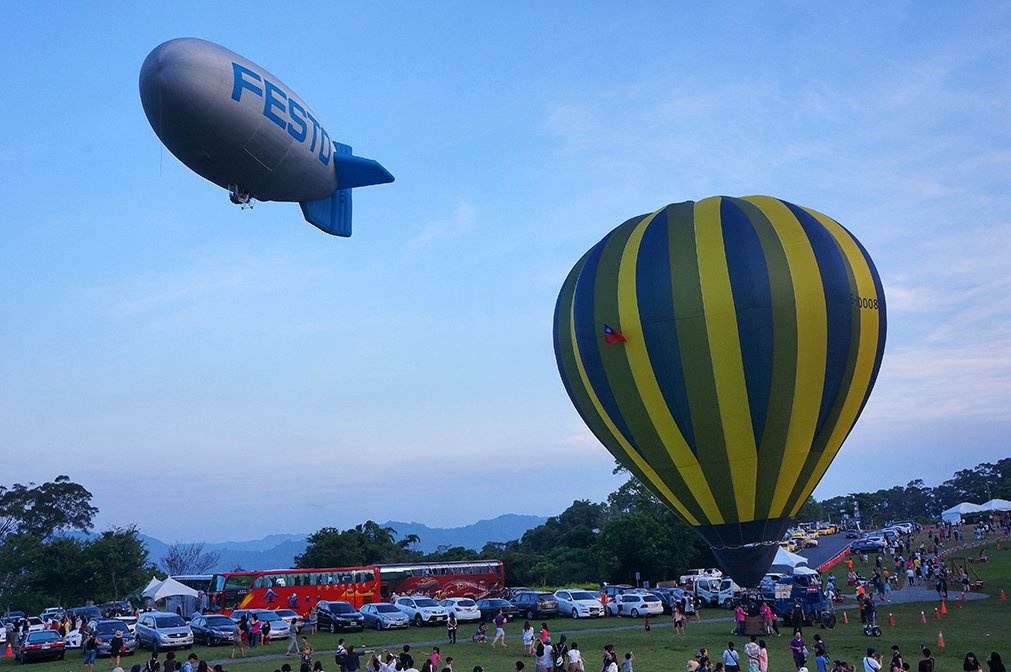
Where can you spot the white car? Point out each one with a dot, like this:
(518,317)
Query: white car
(636,605)
(72,640)
(579,603)
(35,624)
(694,575)
(52,611)
(422,610)
(464,608)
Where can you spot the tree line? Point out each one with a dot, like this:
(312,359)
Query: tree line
(48,555)
(43,564)
(586,543)
(918,501)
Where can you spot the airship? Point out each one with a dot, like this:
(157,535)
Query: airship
(234,123)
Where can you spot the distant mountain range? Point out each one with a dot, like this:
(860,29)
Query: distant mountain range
(278,550)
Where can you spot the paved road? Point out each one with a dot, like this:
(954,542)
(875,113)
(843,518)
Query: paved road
(827,547)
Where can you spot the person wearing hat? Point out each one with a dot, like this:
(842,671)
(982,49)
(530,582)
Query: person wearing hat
(115,649)
(872,661)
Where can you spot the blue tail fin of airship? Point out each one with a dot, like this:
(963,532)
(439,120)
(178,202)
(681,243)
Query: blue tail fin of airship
(333,213)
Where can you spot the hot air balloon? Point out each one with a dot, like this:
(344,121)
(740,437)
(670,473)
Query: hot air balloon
(722,351)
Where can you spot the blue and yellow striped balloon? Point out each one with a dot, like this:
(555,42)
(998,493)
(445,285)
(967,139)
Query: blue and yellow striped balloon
(754,330)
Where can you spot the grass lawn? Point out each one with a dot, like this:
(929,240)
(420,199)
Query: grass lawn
(980,626)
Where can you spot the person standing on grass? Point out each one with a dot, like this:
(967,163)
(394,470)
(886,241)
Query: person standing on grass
(528,638)
(763,656)
(574,660)
(500,620)
(753,654)
(238,639)
(90,652)
(305,655)
(798,650)
(452,624)
(731,659)
(115,649)
(292,639)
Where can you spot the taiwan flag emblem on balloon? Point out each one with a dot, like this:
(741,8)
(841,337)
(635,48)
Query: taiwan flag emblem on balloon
(753,332)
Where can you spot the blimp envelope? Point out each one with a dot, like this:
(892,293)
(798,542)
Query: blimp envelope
(237,125)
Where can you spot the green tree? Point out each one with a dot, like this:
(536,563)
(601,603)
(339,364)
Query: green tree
(44,510)
(118,563)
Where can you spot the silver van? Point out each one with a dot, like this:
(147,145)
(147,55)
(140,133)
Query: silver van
(162,630)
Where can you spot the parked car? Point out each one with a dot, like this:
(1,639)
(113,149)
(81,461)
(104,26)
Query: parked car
(85,614)
(422,610)
(383,616)
(35,624)
(536,605)
(464,608)
(491,606)
(130,621)
(338,616)
(636,605)
(279,628)
(106,629)
(213,629)
(292,618)
(579,603)
(115,609)
(162,630)
(870,544)
(692,575)
(679,596)
(854,534)
(613,589)
(40,646)
(510,593)
(809,542)
(52,612)
(73,639)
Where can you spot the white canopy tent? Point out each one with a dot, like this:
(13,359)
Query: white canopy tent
(788,560)
(996,505)
(155,581)
(955,513)
(167,588)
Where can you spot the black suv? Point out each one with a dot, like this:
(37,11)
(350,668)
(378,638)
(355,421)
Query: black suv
(536,605)
(338,616)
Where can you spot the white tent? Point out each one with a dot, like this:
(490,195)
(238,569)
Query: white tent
(155,581)
(955,513)
(785,558)
(996,505)
(168,588)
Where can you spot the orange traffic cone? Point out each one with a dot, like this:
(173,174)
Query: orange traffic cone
(1002,595)
(944,607)
(844,619)
(940,639)
(923,618)
(958,604)
(891,620)
(937,614)
(964,598)
(9,652)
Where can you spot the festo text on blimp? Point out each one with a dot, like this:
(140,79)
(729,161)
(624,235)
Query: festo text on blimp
(274,98)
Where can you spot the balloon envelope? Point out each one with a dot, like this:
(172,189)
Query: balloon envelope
(753,331)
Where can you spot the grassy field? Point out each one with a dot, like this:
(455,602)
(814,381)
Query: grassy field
(981,626)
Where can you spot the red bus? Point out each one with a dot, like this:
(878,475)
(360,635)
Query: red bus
(298,589)
(476,579)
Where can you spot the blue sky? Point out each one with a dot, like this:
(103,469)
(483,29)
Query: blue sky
(213,373)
